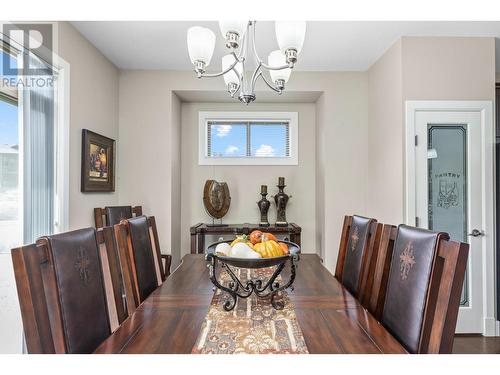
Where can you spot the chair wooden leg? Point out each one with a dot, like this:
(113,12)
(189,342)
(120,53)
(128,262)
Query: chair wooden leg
(168,262)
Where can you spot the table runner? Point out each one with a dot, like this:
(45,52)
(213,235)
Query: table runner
(253,326)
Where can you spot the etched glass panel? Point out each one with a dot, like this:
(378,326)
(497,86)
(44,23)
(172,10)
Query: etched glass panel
(447,177)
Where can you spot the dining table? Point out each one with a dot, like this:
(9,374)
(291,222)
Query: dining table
(331,319)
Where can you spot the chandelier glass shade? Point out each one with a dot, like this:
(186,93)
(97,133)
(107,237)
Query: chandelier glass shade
(239,38)
(201,44)
(290,35)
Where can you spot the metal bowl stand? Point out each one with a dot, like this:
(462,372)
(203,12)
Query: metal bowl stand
(236,288)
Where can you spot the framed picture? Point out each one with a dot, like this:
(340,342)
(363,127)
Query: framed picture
(98,163)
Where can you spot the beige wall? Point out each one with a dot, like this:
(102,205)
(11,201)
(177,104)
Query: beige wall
(385,133)
(147,118)
(175,223)
(146,148)
(342,157)
(417,68)
(94,106)
(244,181)
(448,68)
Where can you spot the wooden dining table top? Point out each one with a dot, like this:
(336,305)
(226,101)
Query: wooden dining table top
(170,319)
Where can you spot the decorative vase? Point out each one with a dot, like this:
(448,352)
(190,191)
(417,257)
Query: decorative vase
(281,200)
(264,205)
(217,200)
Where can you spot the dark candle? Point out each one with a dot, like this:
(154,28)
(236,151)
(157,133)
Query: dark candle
(263,189)
(281,181)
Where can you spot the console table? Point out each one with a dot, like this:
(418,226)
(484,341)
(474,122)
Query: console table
(200,230)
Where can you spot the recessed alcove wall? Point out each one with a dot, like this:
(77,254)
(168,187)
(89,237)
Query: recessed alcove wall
(158,143)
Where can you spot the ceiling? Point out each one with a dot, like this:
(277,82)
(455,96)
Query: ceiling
(329,45)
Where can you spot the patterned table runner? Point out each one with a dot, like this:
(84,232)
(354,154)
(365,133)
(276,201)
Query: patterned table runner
(253,326)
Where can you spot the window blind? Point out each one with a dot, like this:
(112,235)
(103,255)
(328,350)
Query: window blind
(252,126)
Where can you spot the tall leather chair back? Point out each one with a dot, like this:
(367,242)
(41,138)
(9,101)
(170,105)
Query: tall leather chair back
(143,256)
(356,253)
(112,215)
(410,273)
(115,214)
(62,293)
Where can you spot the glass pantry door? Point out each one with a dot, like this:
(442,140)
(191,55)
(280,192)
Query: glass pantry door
(449,195)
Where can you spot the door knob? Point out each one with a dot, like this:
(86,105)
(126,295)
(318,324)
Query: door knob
(476,233)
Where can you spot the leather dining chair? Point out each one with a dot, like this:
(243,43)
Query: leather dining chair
(140,257)
(112,215)
(423,289)
(381,264)
(358,245)
(62,292)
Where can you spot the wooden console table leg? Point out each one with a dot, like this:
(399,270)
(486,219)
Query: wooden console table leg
(295,238)
(193,243)
(201,243)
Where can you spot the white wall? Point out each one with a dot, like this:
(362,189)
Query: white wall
(245,181)
(94,106)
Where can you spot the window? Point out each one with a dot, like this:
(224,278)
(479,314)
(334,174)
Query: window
(33,156)
(248,138)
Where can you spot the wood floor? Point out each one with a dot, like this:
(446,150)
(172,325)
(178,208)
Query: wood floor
(472,344)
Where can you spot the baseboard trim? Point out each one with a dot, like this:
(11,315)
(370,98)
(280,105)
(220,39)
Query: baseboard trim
(490,327)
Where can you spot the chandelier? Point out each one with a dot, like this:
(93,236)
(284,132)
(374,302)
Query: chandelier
(240,41)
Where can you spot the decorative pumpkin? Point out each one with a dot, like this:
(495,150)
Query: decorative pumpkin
(284,246)
(255,236)
(242,250)
(269,249)
(268,237)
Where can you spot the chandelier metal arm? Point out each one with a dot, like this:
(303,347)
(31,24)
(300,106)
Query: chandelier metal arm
(211,75)
(262,63)
(270,85)
(257,72)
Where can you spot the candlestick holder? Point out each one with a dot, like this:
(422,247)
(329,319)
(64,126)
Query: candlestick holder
(264,205)
(281,200)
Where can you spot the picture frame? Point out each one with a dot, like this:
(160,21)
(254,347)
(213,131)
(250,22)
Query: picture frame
(98,163)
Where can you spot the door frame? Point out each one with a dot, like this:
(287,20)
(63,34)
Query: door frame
(485,108)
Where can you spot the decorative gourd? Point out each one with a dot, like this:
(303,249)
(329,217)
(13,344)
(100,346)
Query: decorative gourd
(269,249)
(255,236)
(242,250)
(241,238)
(223,248)
(268,237)
(284,246)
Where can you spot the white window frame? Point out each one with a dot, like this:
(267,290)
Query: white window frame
(206,116)
(61,134)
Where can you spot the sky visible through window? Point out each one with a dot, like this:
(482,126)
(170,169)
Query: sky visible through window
(8,124)
(266,140)
(12,62)
(8,113)
(10,226)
